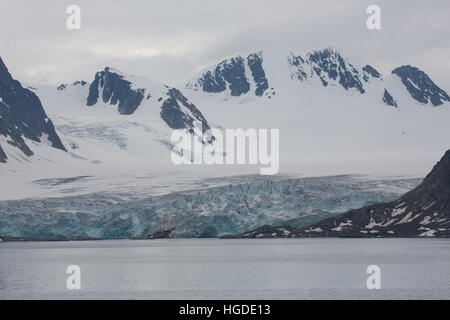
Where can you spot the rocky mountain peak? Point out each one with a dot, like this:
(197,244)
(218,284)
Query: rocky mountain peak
(115,89)
(329,66)
(420,86)
(370,71)
(236,74)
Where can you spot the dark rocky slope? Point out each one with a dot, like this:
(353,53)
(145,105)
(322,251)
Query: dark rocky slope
(420,86)
(115,90)
(329,65)
(22,115)
(231,74)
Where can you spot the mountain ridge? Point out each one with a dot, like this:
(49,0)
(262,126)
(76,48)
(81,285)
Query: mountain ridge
(327,65)
(121,113)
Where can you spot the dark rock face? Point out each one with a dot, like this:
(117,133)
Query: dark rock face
(388,99)
(173,115)
(22,114)
(259,76)
(213,82)
(327,64)
(333,64)
(231,73)
(369,71)
(420,86)
(115,90)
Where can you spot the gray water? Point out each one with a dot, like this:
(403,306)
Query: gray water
(227,269)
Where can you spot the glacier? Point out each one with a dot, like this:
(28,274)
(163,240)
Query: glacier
(231,207)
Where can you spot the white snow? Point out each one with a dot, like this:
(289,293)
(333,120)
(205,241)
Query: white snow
(45,140)
(342,225)
(372,224)
(406,218)
(429,233)
(426,220)
(397,212)
(429,206)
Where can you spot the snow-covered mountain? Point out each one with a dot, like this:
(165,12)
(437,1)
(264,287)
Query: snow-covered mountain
(236,76)
(318,100)
(120,117)
(22,119)
(130,93)
(116,128)
(129,101)
(253,75)
(334,116)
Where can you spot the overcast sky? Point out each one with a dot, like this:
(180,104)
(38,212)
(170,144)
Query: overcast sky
(171,40)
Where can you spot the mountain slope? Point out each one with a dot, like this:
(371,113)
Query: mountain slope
(22,116)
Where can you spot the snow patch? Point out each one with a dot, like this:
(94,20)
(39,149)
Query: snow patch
(397,212)
(429,233)
(342,225)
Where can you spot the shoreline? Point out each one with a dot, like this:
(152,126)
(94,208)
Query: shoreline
(11,239)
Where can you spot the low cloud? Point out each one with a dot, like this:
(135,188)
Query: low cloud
(171,40)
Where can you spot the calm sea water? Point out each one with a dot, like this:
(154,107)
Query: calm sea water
(227,269)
